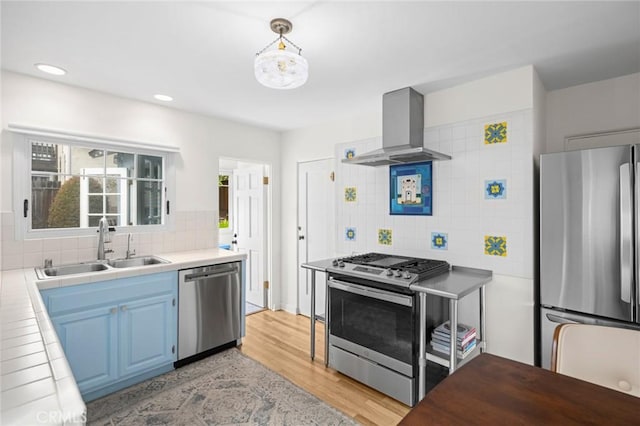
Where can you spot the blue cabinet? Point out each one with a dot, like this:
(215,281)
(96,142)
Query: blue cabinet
(116,333)
(90,341)
(147,334)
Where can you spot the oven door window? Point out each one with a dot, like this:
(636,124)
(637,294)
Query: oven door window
(382,326)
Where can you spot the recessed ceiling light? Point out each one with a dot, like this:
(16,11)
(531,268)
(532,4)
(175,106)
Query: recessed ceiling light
(164,98)
(50,69)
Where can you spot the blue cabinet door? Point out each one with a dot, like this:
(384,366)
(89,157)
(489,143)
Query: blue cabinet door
(147,334)
(90,342)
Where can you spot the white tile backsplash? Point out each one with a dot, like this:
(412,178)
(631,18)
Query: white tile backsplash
(193,230)
(32,246)
(87,242)
(459,206)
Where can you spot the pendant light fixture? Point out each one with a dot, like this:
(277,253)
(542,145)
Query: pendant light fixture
(280,68)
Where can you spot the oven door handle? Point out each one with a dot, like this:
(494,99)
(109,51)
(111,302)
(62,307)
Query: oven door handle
(371,292)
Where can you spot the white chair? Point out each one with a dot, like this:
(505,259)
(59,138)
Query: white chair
(606,356)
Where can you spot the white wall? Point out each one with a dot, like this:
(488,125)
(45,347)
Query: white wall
(311,143)
(612,104)
(510,303)
(508,91)
(510,295)
(202,140)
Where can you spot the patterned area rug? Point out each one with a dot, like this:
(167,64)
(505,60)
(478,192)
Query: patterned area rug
(224,389)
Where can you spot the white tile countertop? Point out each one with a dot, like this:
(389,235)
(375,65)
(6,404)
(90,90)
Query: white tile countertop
(36,383)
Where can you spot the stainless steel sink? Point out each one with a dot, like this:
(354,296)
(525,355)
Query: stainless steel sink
(83,268)
(78,268)
(136,261)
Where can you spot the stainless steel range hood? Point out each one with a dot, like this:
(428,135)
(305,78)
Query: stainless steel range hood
(402,132)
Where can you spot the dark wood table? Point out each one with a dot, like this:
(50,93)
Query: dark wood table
(498,391)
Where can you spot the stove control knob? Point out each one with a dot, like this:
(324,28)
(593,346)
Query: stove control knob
(406,275)
(340,264)
(335,262)
(389,272)
(398,273)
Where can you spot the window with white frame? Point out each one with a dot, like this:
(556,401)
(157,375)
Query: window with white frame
(74,184)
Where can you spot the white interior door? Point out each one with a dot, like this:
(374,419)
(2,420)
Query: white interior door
(316,228)
(249,228)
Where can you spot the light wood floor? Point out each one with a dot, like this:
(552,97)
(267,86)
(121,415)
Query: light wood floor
(280,341)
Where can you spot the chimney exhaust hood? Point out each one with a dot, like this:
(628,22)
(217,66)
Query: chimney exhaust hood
(402,132)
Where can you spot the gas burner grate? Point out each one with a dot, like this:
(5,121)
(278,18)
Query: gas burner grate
(364,259)
(424,268)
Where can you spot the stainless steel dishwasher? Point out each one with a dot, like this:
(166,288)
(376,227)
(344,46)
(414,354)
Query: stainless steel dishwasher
(209,315)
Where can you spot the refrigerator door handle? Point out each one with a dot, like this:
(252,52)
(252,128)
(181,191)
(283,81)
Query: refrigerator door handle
(560,320)
(626,230)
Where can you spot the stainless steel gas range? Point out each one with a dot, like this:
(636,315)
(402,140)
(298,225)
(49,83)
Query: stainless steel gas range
(372,320)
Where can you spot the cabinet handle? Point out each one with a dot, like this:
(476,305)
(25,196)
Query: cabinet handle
(114,311)
(124,308)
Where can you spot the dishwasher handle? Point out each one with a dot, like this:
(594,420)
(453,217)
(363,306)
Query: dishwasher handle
(210,274)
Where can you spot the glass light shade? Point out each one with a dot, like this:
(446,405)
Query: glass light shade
(279,69)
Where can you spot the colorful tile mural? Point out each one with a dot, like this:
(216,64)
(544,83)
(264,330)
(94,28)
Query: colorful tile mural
(350,234)
(495,246)
(384,237)
(495,133)
(349,153)
(495,189)
(350,194)
(439,241)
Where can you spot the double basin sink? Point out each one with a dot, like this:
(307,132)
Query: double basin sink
(96,266)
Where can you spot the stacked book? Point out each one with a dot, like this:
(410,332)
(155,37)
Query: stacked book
(466,339)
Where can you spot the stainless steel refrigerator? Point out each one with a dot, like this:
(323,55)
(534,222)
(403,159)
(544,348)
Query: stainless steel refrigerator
(589,237)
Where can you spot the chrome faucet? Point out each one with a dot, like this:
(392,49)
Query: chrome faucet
(103,237)
(129,251)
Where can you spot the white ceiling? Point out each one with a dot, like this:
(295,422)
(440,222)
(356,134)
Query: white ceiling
(202,53)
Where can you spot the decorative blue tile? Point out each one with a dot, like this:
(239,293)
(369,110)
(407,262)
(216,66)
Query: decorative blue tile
(349,153)
(439,241)
(350,234)
(385,237)
(350,194)
(495,133)
(495,189)
(495,245)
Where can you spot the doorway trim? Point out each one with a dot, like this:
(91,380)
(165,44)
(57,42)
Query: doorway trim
(267,211)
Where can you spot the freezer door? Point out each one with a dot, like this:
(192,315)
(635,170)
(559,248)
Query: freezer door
(586,231)
(550,319)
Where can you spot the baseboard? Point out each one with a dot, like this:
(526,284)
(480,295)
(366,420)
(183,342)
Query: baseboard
(293,309)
